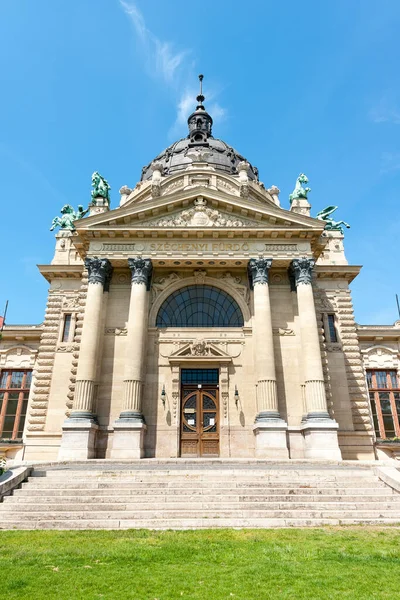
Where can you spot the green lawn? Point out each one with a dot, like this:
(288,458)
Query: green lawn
(357,563)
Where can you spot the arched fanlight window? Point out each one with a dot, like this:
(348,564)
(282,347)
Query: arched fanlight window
(199,306)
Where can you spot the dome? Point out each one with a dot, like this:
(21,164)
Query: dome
(199,144)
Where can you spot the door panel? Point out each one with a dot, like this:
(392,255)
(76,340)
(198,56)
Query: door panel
(199,422)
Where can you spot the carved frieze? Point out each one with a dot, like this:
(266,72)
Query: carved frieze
(283,331)
(116,331)
(199,275)
(236,282)
(71,303)
(202,216)
(161,283)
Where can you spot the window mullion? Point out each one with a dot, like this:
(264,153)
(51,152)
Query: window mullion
(3,412)
(394,414)
(18,415)
(379,415)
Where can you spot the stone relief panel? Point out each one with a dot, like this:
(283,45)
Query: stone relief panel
(200,347)
(236,282)
(20,357)
(380,357)
(159,284)
(202,216)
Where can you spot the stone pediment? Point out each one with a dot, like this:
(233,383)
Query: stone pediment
(199,350)
(201,215)
(199,212)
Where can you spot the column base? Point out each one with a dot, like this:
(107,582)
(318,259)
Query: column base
(321,439)
(128,439)
(271,439)
(78,440)
(130,416)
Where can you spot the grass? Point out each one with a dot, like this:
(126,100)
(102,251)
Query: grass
(327,563)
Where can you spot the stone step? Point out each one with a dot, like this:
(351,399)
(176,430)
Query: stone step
(180,514)
(182,499)
(13,508)
(184,524)
(97,484)
(197,473)
(27,491)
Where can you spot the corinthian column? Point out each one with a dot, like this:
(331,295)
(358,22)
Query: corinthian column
(78,439)
(129,428)
(269,428)
(99,275)
(317,424)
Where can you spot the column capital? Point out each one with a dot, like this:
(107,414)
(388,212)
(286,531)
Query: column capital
(141,269)
(99,270)
(301,270)
(258,270)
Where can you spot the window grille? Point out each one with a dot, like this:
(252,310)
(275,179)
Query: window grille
(200,306)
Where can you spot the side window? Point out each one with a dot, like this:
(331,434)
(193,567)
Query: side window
(330,328)
(14,393)
(384,396)
(66,327)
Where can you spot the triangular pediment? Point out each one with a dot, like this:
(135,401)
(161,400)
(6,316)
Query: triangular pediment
(199,349)
(199,209)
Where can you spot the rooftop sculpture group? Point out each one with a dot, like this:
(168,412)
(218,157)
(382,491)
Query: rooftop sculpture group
(101,189)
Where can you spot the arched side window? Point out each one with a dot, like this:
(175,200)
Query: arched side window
(199,306)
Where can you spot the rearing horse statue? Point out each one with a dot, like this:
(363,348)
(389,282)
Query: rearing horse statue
(299,191)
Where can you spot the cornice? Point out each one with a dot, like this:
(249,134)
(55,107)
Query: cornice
(348,272)
(379,332)
(51,272)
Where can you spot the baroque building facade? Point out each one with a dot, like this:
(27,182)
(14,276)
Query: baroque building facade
(200,318)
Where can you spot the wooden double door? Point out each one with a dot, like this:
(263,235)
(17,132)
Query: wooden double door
(199,421)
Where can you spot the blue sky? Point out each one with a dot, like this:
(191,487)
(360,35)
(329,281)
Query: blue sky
(294,86)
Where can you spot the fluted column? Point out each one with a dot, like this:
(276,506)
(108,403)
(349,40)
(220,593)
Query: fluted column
(269,428)
(99,275)
(319,430)
(264,360)
(141,270)
(315,396)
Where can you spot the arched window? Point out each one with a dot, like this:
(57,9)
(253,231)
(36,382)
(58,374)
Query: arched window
(199,306)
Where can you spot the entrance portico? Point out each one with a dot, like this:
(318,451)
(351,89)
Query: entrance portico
(199,269)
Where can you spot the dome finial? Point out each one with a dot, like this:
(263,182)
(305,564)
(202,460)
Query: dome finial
(200,98)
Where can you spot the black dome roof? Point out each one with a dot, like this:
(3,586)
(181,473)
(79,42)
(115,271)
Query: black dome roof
(199,143)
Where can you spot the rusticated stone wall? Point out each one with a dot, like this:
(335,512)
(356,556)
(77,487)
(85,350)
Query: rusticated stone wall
(77,341)
(44,366)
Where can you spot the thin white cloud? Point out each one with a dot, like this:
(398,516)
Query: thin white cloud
(171,67)
(387,110)
(162,59)
(390,161)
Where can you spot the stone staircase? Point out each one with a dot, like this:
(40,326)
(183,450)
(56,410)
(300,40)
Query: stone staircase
(198,494)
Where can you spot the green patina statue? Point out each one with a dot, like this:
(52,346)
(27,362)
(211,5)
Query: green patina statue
(68,217)
(331,224)
(100,188)
(299,191)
